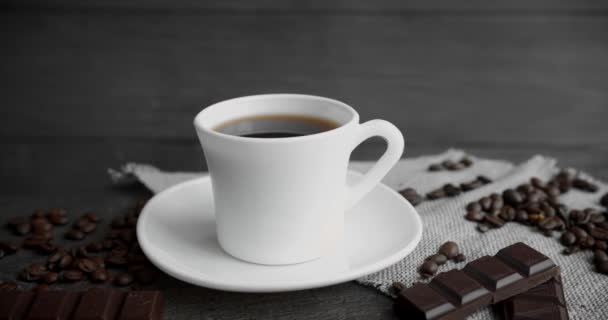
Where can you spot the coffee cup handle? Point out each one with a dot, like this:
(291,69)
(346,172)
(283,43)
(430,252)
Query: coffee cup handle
(392,154)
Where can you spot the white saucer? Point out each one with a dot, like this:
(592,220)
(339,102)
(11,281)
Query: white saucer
(176,231)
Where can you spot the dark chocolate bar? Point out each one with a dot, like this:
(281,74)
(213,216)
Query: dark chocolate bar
(95,304)
(485,281)
(544,302)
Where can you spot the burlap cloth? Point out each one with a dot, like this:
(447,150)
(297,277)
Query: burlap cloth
(586,291)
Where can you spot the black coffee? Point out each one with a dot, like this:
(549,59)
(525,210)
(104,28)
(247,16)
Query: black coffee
(276,126)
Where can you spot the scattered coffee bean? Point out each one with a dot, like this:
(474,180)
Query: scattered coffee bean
(512,197)
(9,247)
(451,190)
(99,275)
(474,216)
(47,248)
(116,260)
(436,194)
(484,179)
(57,218)
(412,196)
(65,261)
(50,277)
(587,243)
(72,276)
(438,258)
(604,200)
(92,217)
(584,185)
(74,234)
(460,258)
(600,256)
(599,233)
(486,203)
(86,265)
(568,238)
(507,213)
(493,221)
(601,245)
(435,167)
(602,267)
(449,249)
(123,279)
(9,285)
(428,268)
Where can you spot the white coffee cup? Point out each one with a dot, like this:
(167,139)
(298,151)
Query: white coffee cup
(282,200)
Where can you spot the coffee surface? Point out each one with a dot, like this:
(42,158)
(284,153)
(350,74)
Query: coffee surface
(276,126)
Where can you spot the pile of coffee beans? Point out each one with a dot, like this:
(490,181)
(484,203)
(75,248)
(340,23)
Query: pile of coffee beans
(116,259)
(447,251)
(412,196)
(451,165)
(536,204)
(451,190)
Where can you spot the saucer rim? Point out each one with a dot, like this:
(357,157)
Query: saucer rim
(280,286)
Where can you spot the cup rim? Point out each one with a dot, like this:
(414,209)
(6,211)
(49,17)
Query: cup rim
(198,119)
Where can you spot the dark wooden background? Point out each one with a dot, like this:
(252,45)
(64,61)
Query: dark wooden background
(91,85)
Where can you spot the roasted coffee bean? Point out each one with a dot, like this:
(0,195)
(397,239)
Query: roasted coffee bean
(536,218)
(92,216)
(507,213)
(473,206)
(603,225)
(27,277)
(88,227)
(72,276)
(584,185)
(602,267)
(601,245)
(41,224)
(98,260)
(118,222)
(436,194)
(438,258)
(486,203)
(36,269)
(472,185)
(588,226)
(587,243)
(497,203)
(547,210)
(449,249)
(483,228)
(600,256)
(114,260)
(451,190)
(58,211)
(119,250)
(47,247)
(537,183)
(579,217)
(50,277)
(65,261)
(467,162)
(80,223)
(512,197)
(40,288)
(570,250)
(599,234)
(484,179)
(86,265)
(553,191)
(452,165)
(567,238)
(521,215)
(99,275)
(55,256)
(494,221)
(579,233)
(57,217)
(41,235)
(397,287)
(548,224)
(435,167)
(10,285)
(22,229)
(123,279)
(428,268)
(74,234)
(95,247)
(525,188)
(412,196)
(9,247)
(604,200)
(460,258)
(474,216)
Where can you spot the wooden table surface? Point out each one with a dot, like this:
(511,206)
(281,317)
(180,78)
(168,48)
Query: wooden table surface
(91,86)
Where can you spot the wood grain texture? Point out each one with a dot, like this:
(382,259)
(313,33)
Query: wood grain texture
(91,85)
